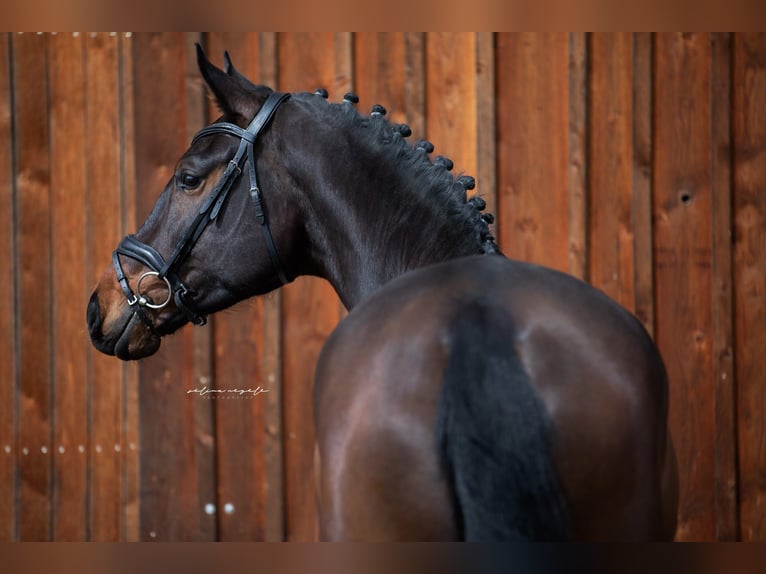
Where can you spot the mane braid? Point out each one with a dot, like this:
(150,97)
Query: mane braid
(431,182)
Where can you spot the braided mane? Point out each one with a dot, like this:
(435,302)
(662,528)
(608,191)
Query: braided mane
(432,182)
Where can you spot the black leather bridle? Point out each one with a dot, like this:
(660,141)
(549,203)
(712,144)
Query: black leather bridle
(167,270)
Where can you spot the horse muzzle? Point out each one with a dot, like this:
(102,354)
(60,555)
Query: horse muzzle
(126,337)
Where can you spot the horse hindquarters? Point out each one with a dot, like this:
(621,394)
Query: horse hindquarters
(493,433)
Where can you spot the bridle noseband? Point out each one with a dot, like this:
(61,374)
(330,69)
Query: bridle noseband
(168,270)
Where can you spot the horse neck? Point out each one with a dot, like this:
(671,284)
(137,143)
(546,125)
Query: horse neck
(365,234)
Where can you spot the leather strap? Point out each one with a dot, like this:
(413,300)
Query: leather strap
(132,247)
(211,208)
(129,295)
(140,251)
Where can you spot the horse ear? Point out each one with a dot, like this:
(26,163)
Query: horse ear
(229,92)
(234,73)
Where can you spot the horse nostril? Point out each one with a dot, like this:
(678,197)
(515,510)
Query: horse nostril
(94,315)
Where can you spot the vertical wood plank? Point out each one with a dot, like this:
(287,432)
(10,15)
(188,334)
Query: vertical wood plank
(310,312)
(169,487)
(131,475)
(389,70)
(486,131)
(271,357)
(642,180)
(682,251)
(69,274)
(247,347)
(202,337)
(34,284)
(451,97)
(102,88)
(533,156)
(578,159)
(714,355)
(343,43)
(238,342)
(415,86)
(610,175)
(749,131)
(727,521)
(8,366)
(380,72)
(240,424)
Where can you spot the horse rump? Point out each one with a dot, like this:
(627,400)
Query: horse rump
(494,434)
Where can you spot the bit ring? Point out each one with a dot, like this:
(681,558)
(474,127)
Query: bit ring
(143,301)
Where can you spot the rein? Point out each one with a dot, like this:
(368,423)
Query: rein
(167,271)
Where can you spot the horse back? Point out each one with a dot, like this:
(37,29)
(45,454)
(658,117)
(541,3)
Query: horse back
(590,365)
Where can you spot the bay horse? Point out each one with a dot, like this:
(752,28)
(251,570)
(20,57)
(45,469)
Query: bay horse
(466,396)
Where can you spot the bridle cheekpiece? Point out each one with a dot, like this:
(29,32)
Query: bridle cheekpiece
(167,270)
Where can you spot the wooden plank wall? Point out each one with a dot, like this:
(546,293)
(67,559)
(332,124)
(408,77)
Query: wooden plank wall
(68,416)
(634,161)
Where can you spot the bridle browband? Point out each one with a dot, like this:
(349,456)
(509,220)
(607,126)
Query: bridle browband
(168,270)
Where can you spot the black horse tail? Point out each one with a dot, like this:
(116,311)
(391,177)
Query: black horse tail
(494,435)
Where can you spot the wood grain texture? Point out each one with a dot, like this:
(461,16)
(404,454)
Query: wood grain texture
(197,116)
(344,83)
(610,160)
(240,427)
(271,357)
(238,342)
(104,200)
(169,507)
(8,332)
(639,156)
(727,519)
(34,285)
(578,154)
(310,311)
(380,73)
(389,70)
(451,97)
(749,131)
(414,87)
(533,134)
(642,180)
(69,275)
(343,60)
(682,254)
(486,133)
(131,450)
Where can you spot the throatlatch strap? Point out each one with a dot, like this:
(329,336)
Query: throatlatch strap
(257,125)
(260,213)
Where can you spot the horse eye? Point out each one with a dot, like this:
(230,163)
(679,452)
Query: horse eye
(188,181)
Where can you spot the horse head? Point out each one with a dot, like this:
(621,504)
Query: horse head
(217,234)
